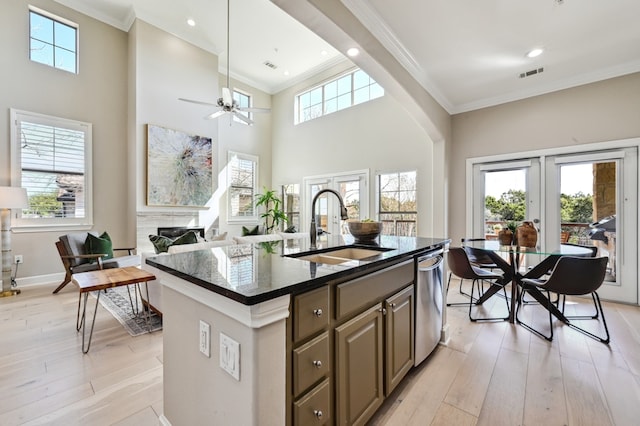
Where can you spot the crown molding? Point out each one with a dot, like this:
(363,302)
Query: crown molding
(381,31)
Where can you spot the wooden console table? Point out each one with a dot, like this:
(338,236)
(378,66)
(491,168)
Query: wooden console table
(102,280)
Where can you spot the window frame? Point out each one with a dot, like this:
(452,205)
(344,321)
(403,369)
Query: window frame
(62,21)
(379,211)
(21,224)
(247,114)
(298,115)
(242,219)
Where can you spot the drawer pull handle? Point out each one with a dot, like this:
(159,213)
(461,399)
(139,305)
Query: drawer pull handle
(383,310)
(318,312)
(317,363)
(317,413)
(393,305)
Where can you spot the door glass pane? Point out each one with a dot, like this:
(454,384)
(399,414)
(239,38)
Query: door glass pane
(350,191)
(505,199)
(588,202)
(320,207)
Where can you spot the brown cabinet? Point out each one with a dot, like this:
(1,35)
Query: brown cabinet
(314,408)
(310,363)
(359,367)
(399,337)
(351,344)
(311,313)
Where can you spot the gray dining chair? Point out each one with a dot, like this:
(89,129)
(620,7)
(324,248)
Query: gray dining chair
(571,276)
(478,258)
(460,266)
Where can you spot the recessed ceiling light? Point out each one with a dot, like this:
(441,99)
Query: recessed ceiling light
(191,22)
(534,52)
(354,51)
(286,73)
(324,53)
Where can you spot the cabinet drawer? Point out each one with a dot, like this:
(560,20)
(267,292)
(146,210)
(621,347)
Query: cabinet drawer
(313,408)
(310,363)
(310,313)
(362,292)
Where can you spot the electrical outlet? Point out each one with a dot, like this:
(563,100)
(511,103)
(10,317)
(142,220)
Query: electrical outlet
(205,338)
(18,258)
(230,356)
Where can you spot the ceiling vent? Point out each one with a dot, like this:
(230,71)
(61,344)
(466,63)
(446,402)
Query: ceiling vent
(531,72)
(270,65)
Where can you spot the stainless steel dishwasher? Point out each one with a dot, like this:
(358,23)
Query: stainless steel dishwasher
(429,304)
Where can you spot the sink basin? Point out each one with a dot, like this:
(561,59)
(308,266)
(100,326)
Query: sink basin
(352,253)
(323,258)
(339,255)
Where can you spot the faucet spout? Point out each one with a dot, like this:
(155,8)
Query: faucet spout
(313,233)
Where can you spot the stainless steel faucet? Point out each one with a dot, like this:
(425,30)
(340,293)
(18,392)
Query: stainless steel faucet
(313,233)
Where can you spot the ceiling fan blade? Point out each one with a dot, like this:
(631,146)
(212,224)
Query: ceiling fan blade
(197,102)
(215,115)
(226,96)
(254,109)
(243,118)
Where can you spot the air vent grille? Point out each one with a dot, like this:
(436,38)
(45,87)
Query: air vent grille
(531,72)
(270,65)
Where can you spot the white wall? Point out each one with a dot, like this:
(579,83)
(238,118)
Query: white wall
(164,69)
(254,140)
(98,95)
(378,135)
(603,111)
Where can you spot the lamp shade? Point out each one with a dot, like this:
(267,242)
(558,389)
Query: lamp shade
(12,197)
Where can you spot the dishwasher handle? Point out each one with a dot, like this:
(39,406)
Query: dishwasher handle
(429,263)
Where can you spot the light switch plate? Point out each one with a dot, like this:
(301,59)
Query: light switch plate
(230,356)
(205,339)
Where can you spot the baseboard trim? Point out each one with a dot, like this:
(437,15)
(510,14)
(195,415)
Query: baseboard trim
(40,280)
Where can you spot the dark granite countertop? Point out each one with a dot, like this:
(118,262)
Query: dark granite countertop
(254,273)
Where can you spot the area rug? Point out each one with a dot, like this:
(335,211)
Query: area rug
(116,301)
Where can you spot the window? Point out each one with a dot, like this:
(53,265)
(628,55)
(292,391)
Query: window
(291,204)
(243,101)
(347,90)
(397,203)
(242,172)
(51,160)
(53,41)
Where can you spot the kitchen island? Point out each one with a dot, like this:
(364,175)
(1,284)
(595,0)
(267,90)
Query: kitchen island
(240,320)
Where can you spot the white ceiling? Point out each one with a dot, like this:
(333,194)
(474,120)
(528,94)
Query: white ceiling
(467,54)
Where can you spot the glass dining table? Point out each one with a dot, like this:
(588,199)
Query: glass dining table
(518,262)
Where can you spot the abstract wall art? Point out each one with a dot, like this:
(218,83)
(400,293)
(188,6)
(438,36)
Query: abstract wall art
(179,168)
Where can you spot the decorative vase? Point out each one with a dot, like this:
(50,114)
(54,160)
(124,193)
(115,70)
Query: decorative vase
(505,237)
(526,235)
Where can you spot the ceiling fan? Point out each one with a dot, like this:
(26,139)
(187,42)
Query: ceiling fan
(226,103)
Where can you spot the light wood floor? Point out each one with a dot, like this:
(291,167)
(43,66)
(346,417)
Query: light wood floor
(489,373)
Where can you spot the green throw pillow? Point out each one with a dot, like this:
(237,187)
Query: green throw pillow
(253,231)
(161,244)
(99,245)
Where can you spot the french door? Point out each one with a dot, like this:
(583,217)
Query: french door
(509,183)
(614,221)
(352,187)
(586,197)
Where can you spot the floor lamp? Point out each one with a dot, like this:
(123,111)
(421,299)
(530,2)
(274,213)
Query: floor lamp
(10,198)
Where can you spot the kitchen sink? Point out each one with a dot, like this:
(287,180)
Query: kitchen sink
(339,255)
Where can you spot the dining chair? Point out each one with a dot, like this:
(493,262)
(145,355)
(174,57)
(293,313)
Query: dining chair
(571,276)
(460,266)
(478,258)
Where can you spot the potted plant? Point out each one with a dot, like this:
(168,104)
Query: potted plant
(273,214)
(505,236)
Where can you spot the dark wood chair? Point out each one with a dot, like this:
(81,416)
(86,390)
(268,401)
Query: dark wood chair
(573,276)
(75,258)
